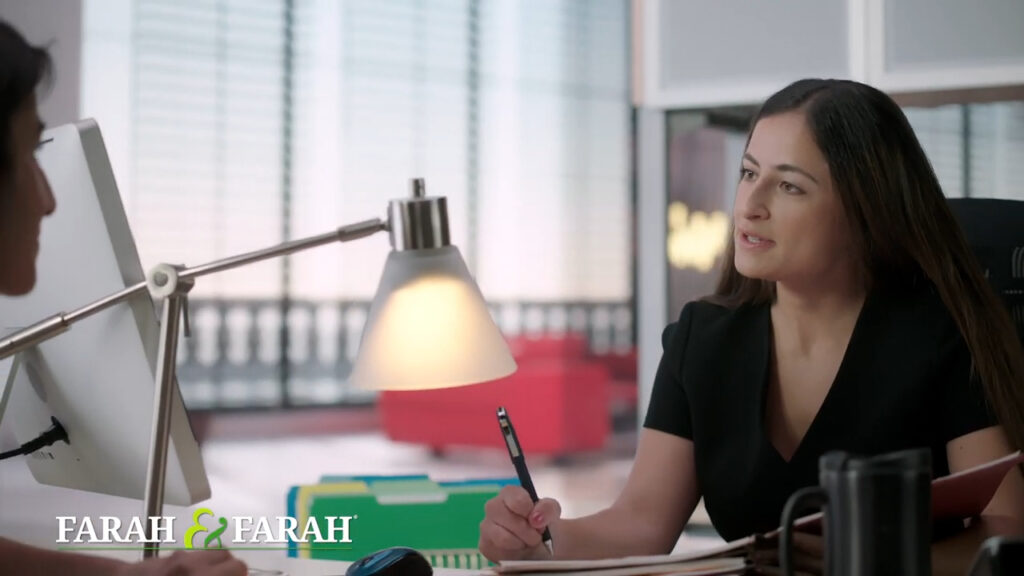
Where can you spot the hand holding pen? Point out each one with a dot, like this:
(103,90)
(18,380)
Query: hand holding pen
(519,461)
(515,525)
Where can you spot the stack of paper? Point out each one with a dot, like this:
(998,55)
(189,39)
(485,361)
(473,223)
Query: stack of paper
(729,559)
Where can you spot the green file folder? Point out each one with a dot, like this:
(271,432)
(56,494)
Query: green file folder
(439,519)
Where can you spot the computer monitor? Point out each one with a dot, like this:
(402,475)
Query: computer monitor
(97,378)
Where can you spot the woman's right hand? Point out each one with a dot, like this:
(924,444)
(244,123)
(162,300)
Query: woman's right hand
(513,524)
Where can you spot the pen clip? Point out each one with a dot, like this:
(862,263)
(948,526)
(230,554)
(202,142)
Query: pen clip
(513,447)
(509,433)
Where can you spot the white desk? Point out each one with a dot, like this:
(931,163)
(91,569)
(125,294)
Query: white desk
(299,566)
(305,567)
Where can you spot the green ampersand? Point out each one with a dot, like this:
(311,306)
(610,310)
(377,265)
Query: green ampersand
(198,527)
(215,535)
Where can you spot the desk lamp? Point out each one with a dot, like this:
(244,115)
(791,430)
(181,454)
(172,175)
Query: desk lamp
(428,325)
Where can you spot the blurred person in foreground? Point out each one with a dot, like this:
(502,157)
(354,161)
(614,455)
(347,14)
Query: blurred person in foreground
(25,198)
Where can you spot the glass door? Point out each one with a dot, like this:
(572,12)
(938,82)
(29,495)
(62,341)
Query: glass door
(703,163)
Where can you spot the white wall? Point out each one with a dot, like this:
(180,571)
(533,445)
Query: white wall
(56,24)
(702,53)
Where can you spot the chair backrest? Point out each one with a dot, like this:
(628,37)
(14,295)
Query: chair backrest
(995,232)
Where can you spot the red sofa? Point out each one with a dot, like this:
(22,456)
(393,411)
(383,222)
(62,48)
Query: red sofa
(623,393)
(558,401)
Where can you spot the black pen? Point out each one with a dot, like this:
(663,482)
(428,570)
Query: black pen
(519,461)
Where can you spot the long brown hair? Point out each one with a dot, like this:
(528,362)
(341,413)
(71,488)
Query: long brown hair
(22,68)
(903,228)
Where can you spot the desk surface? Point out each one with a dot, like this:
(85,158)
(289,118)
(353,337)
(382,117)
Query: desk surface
(251,477)
(273,564)
(305,567)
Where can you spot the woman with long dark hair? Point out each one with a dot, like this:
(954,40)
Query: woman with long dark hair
(25,199)
(850,316)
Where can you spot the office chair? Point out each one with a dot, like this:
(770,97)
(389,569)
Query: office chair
(995,232)
(999,556)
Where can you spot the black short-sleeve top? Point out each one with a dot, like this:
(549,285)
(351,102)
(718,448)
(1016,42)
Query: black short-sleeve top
(904,382)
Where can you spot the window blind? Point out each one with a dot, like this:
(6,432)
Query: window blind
(383,96)
(977,150)
(207,133)
(997,150)
(555,139)
(941,131)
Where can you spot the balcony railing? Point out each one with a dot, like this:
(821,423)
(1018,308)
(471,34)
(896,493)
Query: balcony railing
(233,359)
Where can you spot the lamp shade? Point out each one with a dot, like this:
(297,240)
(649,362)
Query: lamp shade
(429,327)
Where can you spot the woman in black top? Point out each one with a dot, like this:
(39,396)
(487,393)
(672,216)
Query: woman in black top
(25,199)
(853,317)
(903,382)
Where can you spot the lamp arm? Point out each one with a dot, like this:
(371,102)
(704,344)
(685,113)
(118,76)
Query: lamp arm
(59,323)
(343,234)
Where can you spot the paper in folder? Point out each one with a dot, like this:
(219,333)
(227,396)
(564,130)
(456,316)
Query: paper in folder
(439,519)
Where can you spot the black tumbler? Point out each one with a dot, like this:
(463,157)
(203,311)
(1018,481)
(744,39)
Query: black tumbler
(877,514)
